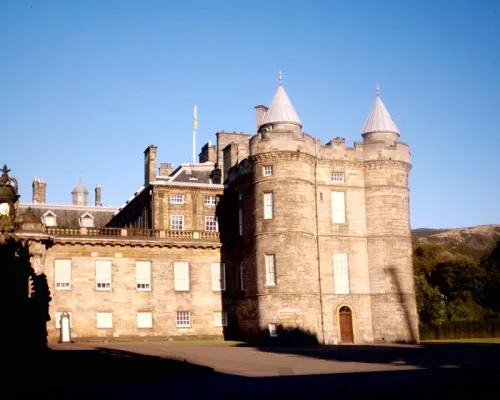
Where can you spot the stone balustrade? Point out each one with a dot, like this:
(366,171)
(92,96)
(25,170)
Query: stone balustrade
(133,232)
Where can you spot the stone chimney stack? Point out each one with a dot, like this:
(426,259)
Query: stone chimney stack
(260,113)
(165,169)
(98,202)
(39,191)
(208,153)
(150,164)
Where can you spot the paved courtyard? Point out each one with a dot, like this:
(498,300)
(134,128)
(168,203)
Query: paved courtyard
(162,370)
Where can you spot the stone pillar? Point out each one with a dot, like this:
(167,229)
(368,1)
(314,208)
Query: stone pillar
(39,191)
(98,202)
(37,252)
(150,164)
(260,113)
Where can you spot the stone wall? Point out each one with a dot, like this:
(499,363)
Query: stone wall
(193,209)
(224,138)
(125,301)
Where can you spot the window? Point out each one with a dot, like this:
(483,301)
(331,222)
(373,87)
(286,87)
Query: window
(177,222)
(220,318)
(268,170)
(218,276)
(57,317)
(176,199)
(145,319)
(104,320)
(143,275)
(341,273)
(338,207)
(183,319)
(211,224)
(87,220)
(240,221)
(49,219)
(270,270)
(240,195)
(337,177)
(272,330)
(62,274)
(210,200)
(268,205)
(103,274)
(242,276)
(181,276)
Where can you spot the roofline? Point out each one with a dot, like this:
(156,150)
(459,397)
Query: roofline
(69,207)
(188,184)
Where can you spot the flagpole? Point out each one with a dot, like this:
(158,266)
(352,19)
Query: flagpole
(195,124)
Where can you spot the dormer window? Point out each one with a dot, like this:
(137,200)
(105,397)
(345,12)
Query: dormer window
(49,218)
(87,220)
(337,177)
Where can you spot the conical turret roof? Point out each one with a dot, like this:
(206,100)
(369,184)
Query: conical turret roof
(379,119)
(281,109)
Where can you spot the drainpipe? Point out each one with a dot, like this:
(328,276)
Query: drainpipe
(317,237)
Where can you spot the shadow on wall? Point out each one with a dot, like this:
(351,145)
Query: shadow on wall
(411,327)
(283,337)
(24,298)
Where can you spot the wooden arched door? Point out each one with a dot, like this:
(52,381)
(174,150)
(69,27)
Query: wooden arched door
(345,322)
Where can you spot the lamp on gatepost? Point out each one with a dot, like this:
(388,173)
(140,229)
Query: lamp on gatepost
(65,328)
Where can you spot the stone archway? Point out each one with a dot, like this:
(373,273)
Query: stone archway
(345,323)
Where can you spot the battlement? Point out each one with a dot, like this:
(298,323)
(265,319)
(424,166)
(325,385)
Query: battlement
(334,149)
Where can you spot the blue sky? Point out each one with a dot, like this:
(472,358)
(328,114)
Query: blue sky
(86,86)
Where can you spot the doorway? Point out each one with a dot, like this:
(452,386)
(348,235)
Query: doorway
(345,322)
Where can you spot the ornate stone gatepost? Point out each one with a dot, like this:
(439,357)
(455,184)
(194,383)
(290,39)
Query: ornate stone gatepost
(8,204)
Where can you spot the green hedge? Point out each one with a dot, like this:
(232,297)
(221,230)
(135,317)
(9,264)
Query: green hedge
(460,330)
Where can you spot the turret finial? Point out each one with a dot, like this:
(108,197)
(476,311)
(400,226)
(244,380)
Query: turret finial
(280,78)
(377,89)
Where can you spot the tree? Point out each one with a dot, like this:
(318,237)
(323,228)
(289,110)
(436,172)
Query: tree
(431,303)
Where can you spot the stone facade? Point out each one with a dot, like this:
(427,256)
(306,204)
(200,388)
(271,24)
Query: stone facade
(314,240)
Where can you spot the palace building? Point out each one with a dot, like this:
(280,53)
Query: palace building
(269,235)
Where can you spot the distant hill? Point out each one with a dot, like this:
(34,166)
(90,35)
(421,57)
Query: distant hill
(473,242)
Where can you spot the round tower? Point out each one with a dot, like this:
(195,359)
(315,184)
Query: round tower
(285,248)
(387,163)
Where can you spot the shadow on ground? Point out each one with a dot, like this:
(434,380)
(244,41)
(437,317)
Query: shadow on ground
(436,355)
(442,371)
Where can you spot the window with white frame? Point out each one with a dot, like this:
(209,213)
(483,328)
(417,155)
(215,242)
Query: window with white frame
(103,274)
(240,221)
(268,205)
(181,276)
(49,219)
(143,275)
(337,177)
(242,276)
(183,319)
(62,272)
(87,220)
(240,195)
(176,199)
(145,319)
(220,318)
(268,170)
(211,224)
(273,332)
(210,200)
(58,319)
(104,320)
(341,273)
(218,276)
(177,222)
(270,269)
(338,207)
